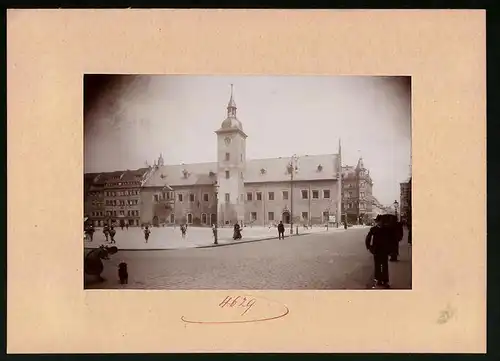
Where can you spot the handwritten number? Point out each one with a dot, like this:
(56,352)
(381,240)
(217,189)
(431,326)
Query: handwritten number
(234,301)
(225,302)
(249,306)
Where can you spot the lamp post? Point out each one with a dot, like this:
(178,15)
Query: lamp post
(292,168)
(216,185)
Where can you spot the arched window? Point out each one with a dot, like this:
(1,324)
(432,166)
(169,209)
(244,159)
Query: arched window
(203,218)
(189,218)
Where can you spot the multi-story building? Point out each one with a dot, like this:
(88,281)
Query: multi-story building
(114,197)
(405,199)
(234,189)
(94,198)
(357,187)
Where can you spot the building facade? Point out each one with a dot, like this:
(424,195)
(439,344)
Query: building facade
(357,189)
(299,190)
(114,197)
(405,200)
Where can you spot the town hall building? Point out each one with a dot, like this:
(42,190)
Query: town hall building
(248,191)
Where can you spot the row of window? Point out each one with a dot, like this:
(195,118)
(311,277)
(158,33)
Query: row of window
(132,213)
(350,194)
(285,194)
(191,197)
(164,195)
(353,205)
(122,184)
(362,184)
(131,222)
(122,202)
(304,216)
(121,193)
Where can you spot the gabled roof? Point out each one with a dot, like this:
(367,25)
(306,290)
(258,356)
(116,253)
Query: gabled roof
(313,167)
(99,180)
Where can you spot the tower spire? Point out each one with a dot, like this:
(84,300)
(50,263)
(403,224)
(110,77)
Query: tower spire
(231,106)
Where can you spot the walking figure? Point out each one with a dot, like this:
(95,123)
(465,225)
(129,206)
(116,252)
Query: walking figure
(146,233)
(379,243)
(183,230)
(214,231)
(126,225)
(106,232)
(237,232)
(281,230)
(112,233)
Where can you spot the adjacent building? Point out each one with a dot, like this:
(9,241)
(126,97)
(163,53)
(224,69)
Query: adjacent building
(357,186)
(405,200)
(114,197)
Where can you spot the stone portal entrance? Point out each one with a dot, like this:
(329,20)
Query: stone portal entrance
(286,217)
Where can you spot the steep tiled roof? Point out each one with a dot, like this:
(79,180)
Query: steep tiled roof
(312,167)
(99,180)
(183,175)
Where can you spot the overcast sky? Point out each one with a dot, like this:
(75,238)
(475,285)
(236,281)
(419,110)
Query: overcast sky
(132,119)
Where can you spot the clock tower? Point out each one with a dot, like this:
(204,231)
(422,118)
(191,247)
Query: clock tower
(231,160)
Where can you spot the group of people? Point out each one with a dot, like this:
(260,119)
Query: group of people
(383,242)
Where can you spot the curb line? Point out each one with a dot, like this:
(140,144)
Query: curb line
(211,245)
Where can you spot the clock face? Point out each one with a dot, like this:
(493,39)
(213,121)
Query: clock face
(227,140)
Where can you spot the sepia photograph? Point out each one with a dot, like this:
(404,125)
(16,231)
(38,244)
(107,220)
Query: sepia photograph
(247,182)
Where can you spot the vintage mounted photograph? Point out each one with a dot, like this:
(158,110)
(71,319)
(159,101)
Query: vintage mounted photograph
(247,182)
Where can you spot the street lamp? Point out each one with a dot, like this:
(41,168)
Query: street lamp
(292,168)
(396,205)
(216,185)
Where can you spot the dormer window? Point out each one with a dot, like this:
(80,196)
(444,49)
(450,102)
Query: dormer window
(185,173)
(262,171)
(211,174)
(320,168)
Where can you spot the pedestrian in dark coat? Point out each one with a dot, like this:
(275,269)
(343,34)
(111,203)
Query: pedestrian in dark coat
(106,232)
(378,242)
(112,233)
(281,230)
